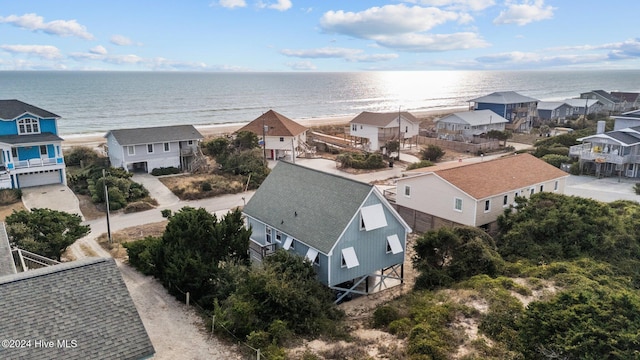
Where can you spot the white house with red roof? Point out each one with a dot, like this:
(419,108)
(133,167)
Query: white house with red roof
(472,194)
(280,136)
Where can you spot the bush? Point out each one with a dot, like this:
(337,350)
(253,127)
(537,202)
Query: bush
(137,207)
(165,171)
(142,254)
(82,155)
(636,188)
(10,196)
(419,164)
(361,161)
(556,160)
(432,153)
(166,213)
(384,315)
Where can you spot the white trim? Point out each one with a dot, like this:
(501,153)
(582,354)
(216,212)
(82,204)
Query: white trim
(487,205)
(131,150)
(166,146)
(455,204)
(373,217)
(152,149)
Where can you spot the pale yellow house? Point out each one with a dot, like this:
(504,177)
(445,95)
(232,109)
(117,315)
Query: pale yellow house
(472,194)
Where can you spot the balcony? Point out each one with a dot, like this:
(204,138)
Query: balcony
(258,251)
(36,163)
(585,152)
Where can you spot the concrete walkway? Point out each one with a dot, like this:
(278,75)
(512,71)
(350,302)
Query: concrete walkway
(56,197)
(156,188)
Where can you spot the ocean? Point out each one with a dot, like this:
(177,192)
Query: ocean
(94,102)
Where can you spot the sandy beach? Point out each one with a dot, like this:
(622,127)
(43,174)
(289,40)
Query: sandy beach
(97,140)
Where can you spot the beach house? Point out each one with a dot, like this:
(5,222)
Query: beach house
(472,194)
(463,126)
(592,106)
(609,102)
(280,137)
(350,234)
(521,111)
(30,145)
(554,111)
(376,129)
(145,149)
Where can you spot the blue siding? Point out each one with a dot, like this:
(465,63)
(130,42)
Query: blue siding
(499,109)
(48,125)
(8,128)
(544,114)
(26,153)
(370,247)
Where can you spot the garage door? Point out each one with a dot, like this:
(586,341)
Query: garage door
(39,178)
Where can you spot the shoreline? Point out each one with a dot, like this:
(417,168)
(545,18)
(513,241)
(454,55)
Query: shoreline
(96,140)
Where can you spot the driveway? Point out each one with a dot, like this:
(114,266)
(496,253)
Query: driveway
(55,197)
(157,190)
(605,189)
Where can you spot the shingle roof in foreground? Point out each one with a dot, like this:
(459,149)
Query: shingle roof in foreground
(310,205)
(158,134)
(11,109)
(84,302)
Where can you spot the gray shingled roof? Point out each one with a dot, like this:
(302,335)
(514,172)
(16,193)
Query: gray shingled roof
(381,119)
(11,109)
(150,135)
(7,266)
(624,137)
(579,102)
(46,137)
(86,301)
(324,203)
(551,105)
(504,97)
(474,118)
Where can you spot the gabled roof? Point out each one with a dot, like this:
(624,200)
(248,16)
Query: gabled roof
(604,95)
(278,125)
(474,118)
(580,102)
(628,114)
(12,109)
(310,205)
(158,134)
(551,105)
(86,301)
(626,137)
(504,97)
(630,97)
(382,119)
(484,179)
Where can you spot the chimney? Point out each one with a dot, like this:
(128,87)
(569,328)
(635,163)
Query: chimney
(600,127)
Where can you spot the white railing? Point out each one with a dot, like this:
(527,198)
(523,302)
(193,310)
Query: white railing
(31,163)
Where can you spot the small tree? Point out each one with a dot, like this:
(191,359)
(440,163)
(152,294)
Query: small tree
(44,231)
(432,153)
(500,135)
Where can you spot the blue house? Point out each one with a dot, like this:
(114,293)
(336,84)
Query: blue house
(30,145)
(346,229)
(519,110)
(554,111)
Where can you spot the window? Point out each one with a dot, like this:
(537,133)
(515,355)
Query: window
(190,142)
(555,186)
(28,126)
(406,129)
(267,232)
(167,147)
(407,191)
(354,127)
(131,150)
(457,204)
(150,148)
(533,191)
(487,205)
(349,258)
(278,236)
(372,217)
(541,188)
(14,152)
(281,139)
(43,150)
(505,200)
(393,244)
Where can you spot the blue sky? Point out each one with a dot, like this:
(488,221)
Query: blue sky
(321,35)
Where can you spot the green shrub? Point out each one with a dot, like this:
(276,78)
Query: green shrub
(10,196)
(137,207)
(401,327)
(361,161)
(206,186)
(432,153)
(166,213)
(142,254)
(165,171)
(419,164)
(82,155)
(384,315)
(556,160)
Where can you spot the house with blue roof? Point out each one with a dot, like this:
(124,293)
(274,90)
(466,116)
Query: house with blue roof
(346,229)
(30,145)
(521,111)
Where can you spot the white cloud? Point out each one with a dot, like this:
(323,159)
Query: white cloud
(301,65)
(474,5)
(432,42)
(42,51)
(56,27)
(230,4)
(387,20)
(352,55)
(280,5)
(517,59)
(525,13)
(98,50)
(121,40)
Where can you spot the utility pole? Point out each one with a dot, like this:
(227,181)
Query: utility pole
(399,132)
(106,201)
(264,140)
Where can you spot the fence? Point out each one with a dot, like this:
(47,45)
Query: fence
(462,147)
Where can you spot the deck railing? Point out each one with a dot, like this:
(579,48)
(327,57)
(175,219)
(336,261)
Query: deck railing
(34,163)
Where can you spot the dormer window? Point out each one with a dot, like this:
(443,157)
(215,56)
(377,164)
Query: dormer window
(28,126)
